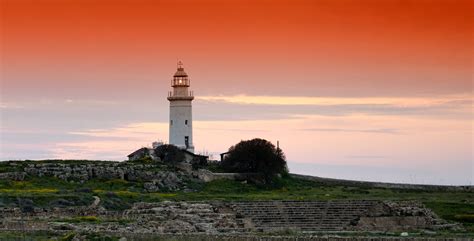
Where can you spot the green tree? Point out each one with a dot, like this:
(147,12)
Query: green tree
(169,154)
(256,156)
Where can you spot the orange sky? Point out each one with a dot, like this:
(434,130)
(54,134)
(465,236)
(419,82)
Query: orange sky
(326,46)
(356,83)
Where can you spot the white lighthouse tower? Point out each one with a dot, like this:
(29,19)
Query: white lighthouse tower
(181,116)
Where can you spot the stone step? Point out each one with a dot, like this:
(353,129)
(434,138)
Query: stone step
(302,215)
(303,220)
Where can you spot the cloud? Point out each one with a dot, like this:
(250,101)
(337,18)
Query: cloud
(55,103)
(94,150)
(382,130)
(366,157)
(334,101)
(230,129)
(10,105)
(285,107)
(93,102)
(130,131)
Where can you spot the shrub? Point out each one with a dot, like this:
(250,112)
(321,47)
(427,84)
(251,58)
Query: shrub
(144,160)
(256,156)
(214,166)
(169,154)
(68,237)
(198,162)
(88,219)
(84,190)
(465,218)
(61,203)
(26,205)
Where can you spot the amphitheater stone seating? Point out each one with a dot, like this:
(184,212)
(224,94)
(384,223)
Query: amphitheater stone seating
(233,217)
(337,215)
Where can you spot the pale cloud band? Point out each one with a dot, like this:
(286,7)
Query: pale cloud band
(328,101)
(434,131)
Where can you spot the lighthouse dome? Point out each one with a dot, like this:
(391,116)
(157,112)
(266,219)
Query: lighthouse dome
(180,73)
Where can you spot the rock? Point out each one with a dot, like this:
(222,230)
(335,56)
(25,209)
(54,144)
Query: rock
(15,176)
(95,203)
(155,180)
(165,181)
(428,232)
(62,226)
(151,186)
(178,226)
(171,182)
(61,203)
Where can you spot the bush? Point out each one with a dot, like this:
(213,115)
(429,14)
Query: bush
(68,237)
(256,156)
(198,162)
(26,205)
(144,160)
(464,218)
(169,154)
(214,166)
(61,203)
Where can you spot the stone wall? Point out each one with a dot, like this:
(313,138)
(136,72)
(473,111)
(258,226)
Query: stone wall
(87,171)
(154,178)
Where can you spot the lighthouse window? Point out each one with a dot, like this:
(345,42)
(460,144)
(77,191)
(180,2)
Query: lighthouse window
(186,122)
(171,122)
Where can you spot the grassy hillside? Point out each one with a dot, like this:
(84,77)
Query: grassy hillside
(120,194)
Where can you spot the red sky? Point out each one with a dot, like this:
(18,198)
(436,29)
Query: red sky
(342,47)
(367,83)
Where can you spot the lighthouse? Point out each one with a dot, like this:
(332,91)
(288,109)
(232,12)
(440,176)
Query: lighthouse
(181,118)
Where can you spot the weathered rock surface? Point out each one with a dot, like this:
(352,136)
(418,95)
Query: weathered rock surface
(164,181)
(237,217)
(16,176)
(84,172)
(154,178)
(400,216)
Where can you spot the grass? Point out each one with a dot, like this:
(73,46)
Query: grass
(117,194)
(456,211)
(48,236)
(82,219)
(30,236)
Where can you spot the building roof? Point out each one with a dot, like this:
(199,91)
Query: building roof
(191,153)
(180,73)
(139,151)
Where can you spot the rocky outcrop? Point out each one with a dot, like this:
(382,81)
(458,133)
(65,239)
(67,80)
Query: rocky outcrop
(155,178)
(232,217)
(182,217)
(16,176)
(87,171)
(164,181)
(402,216)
